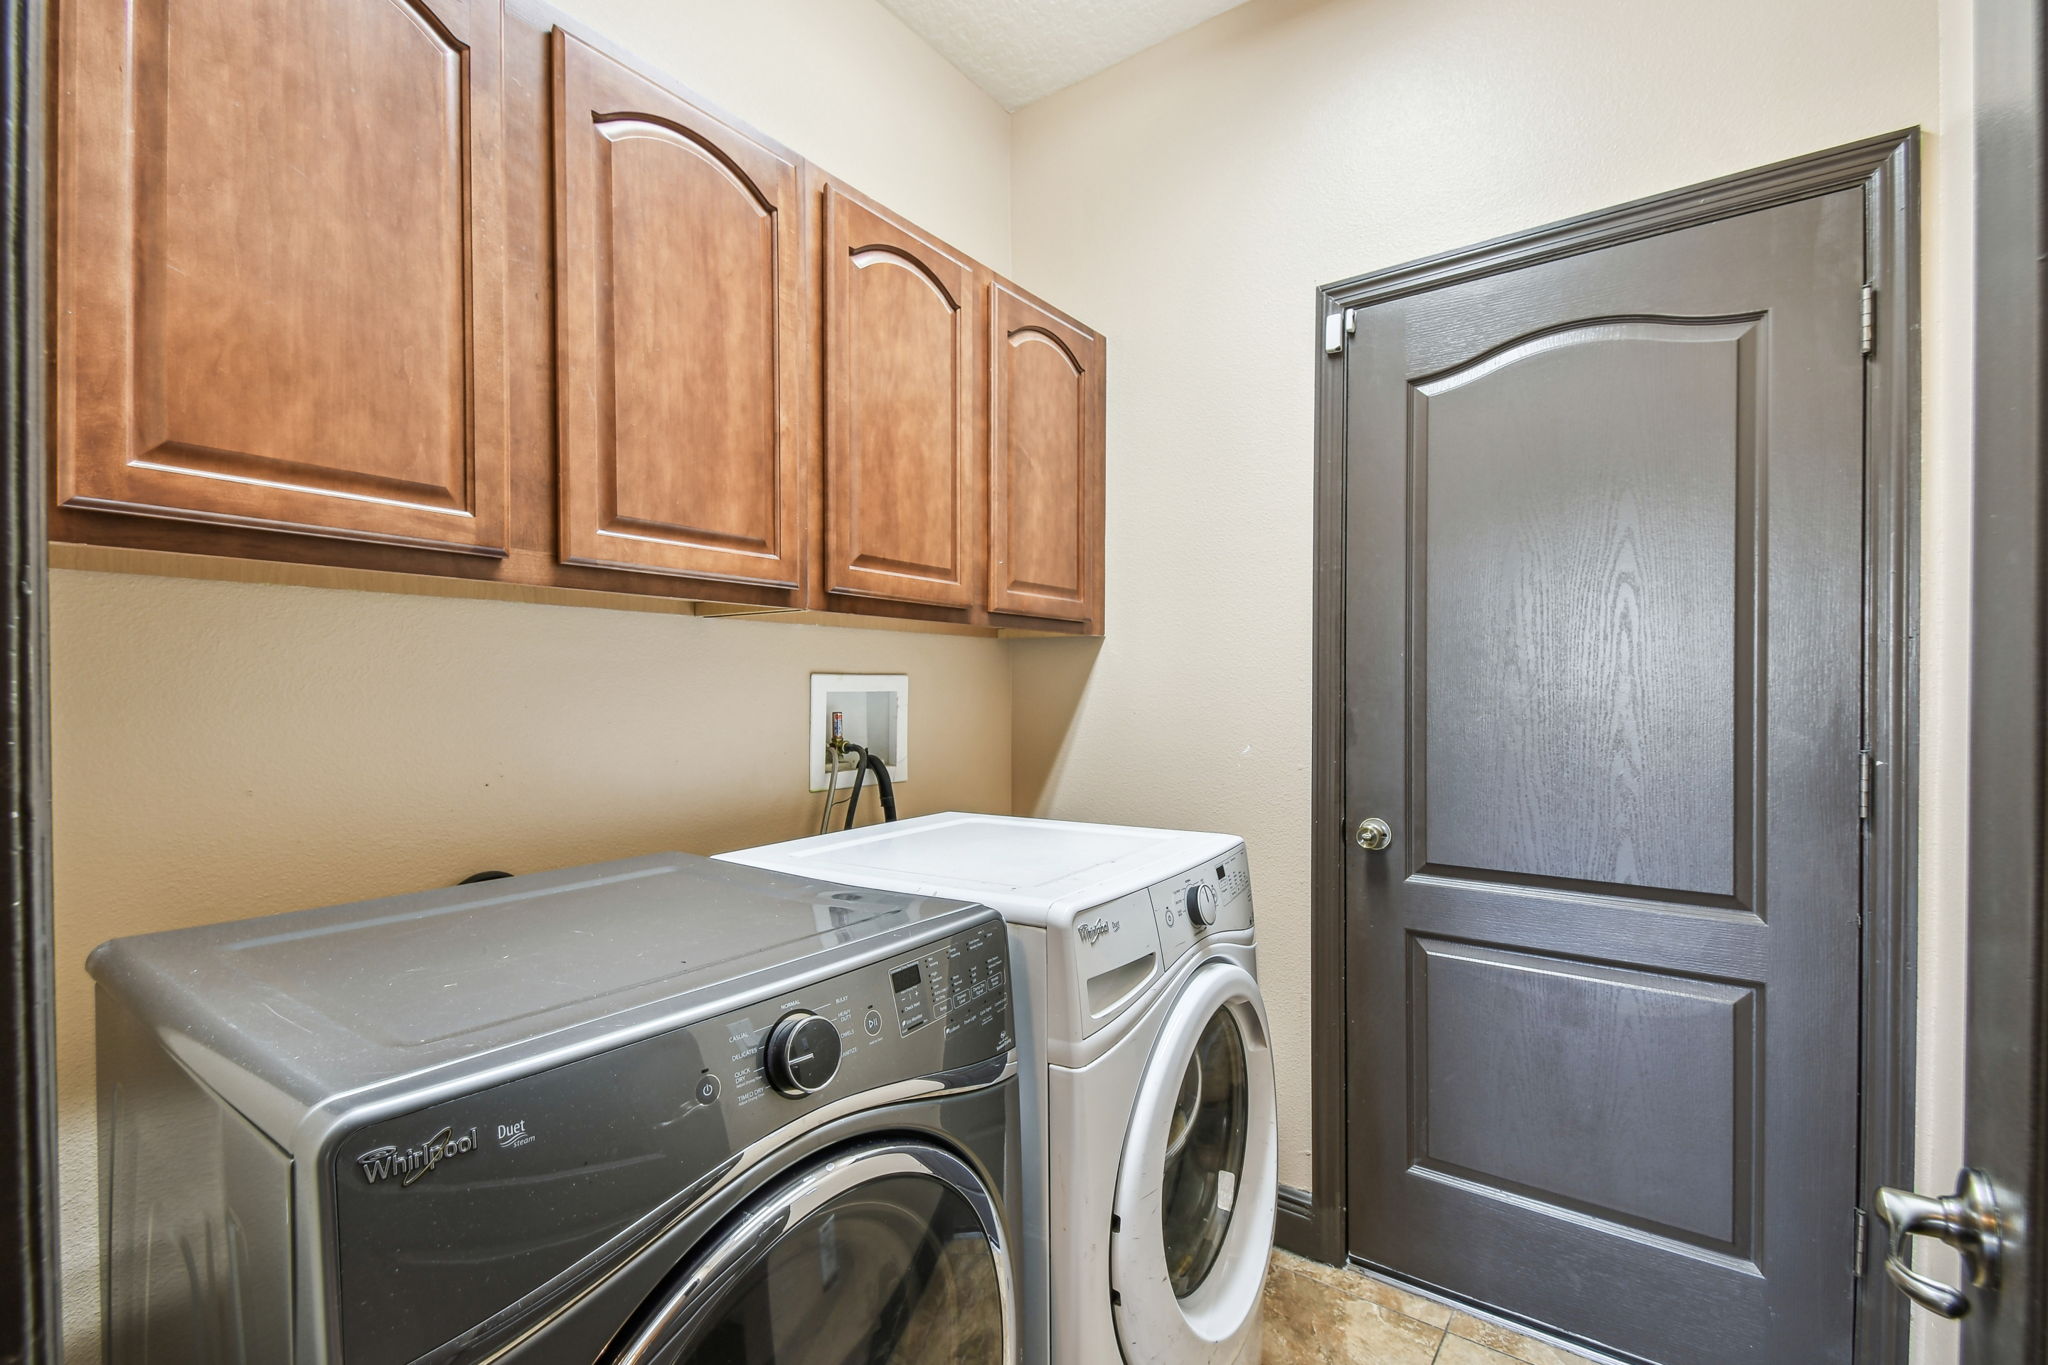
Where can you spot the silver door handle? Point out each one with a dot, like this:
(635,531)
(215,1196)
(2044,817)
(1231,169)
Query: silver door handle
(1967,1220)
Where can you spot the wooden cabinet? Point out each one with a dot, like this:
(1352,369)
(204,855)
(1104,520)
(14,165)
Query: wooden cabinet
(279,266)
(1045,455)
(352,284)
(903,474)
(681,359)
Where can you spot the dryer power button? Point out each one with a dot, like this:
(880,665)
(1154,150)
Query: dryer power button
(803,1054)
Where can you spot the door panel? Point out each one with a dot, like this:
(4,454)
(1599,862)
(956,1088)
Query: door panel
(1603,679)
(681,333)
(280,266)
(1617,533)
(900,397)
(1045,462)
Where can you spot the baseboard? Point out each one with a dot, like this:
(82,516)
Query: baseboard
(1296,1228)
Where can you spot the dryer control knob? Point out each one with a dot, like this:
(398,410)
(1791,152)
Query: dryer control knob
(1202,903)
(803,1054)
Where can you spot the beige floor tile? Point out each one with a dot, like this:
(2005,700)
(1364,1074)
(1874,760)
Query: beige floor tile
(1463,1351)
(1512,1343)
(1374,1336)
(1304,1320)
(1355,1285)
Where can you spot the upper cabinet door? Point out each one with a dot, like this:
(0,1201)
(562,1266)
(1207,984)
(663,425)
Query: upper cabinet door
(902,483)
(681,335)
(1045,462)
(280,265)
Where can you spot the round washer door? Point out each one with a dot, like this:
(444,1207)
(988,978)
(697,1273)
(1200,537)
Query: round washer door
(1195,1193)
(891,1253)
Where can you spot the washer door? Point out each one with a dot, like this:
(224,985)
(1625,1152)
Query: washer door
(891,1254)
(1195,1193)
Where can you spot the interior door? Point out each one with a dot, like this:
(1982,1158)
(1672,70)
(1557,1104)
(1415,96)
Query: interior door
(903,486)
(1603,709)
(682,340)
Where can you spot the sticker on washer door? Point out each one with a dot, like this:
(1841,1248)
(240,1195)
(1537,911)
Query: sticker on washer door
(1226,1191)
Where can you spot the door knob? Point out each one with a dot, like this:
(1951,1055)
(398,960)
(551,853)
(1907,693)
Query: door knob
(1967,1220)
(1374,834)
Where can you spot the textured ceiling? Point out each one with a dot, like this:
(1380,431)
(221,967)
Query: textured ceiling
(1023,50)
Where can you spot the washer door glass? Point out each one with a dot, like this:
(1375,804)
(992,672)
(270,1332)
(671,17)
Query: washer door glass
(1204,1154)
(884,1257)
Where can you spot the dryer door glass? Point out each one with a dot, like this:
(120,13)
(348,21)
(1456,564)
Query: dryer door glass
(1204,1154)
(887,1256)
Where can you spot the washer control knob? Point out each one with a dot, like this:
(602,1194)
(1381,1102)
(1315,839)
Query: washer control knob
(803,1054)
(1202,903)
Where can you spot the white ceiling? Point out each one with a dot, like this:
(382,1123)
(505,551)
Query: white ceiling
(1023,50)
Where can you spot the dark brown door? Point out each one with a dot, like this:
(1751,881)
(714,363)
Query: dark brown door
(1603,687)
(682,341)
(280,265)
(1045,461)
(903,482)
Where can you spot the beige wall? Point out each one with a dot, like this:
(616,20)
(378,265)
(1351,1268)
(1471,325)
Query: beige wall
(1189,201)
(226,749)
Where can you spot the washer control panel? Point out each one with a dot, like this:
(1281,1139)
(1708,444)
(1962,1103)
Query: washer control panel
(1214,898)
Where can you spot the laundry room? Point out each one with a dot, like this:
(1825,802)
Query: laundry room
(1019,682)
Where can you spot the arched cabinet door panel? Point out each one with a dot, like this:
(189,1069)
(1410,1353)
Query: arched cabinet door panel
(903,483)
(681,339)
(280,266)
(1045,461)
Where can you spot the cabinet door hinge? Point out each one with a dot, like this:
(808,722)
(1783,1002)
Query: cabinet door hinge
(1858,1262)
(1866,763)
(1336,327)
(1869,318)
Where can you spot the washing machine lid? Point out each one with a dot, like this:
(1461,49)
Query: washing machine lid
(287,1012)
(1036,871)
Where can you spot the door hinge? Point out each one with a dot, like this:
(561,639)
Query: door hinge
(1866,763)
(1869,318)
(1857,1263)
(1336,327)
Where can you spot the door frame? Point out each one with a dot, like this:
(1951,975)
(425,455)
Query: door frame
(1314,1224)
(2008,789)
(29,1320)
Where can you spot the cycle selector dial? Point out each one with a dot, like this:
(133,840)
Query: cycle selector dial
(803,1054)
(1202,904)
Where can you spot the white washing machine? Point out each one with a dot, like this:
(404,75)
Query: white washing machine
(1150,1156)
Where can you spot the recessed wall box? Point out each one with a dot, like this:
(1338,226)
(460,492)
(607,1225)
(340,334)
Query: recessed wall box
(876,711)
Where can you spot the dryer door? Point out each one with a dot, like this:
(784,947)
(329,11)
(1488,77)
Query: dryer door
(891,1253)
(1195,1194)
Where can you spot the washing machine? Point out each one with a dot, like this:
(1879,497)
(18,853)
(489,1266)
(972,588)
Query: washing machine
(1150,1169)
(662,1111)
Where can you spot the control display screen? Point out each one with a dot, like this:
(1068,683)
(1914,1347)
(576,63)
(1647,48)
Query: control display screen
(906,978)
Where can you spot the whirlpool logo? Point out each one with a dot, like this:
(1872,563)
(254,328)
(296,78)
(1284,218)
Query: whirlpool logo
(410,1163)
(1092,931)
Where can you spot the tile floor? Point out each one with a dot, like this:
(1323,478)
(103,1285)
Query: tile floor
(1321,1315)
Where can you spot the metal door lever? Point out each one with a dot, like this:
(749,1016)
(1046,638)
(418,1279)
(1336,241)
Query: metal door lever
(1967,1220)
